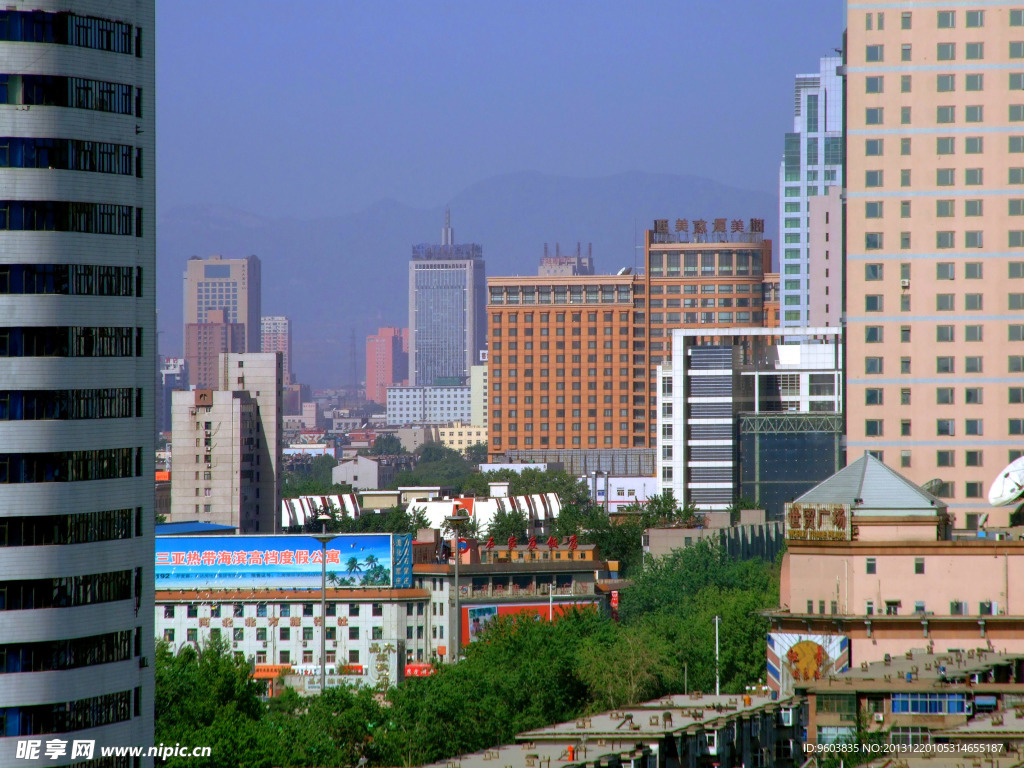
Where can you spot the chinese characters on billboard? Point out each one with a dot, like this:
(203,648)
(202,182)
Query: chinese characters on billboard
(282,562)
(818,522)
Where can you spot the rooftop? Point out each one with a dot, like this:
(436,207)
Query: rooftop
(870,487)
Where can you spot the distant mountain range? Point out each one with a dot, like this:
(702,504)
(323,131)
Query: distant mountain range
(333,276)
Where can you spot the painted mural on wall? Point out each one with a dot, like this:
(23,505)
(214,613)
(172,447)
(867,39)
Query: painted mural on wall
(798,658)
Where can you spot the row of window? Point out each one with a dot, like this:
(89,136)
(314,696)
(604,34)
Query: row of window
(69,591)
(944,19)
(73,653)
(704,263)
(65,717)
(70,466)
(946,177)
(943,396)
(71,341)
(638,441)
(943,427)
(875,54)
(70,280)
(974,458)
(70,404)
(75,92)
(944,364)
(71,155)
(81,528)
(65,28)
(283,633)
(560,294)
(946,302)
(58,216)
(284,610)
(875,334)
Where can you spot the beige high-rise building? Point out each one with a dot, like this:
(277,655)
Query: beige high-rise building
(226,446)
(222,304)
(276,336)
(935,242)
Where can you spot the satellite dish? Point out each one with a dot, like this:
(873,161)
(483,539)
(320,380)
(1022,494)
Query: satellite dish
(1008,486)
(932,486)
(625,271)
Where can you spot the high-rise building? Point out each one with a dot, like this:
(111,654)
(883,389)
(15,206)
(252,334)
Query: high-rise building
(227,444)
(222,312)
(173,377)
(276,336)
(77,291)
(387,362)
(447,315)
(572,359)
(935,242)
(812,162)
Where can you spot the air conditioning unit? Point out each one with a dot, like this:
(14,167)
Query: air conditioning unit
(264,643)
(305,644)
(904,283)
(879,717)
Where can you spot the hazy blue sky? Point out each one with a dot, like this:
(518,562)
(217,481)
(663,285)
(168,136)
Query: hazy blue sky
(319,107)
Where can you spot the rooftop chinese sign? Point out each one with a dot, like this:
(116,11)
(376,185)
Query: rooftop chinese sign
(818,522)
(282,562)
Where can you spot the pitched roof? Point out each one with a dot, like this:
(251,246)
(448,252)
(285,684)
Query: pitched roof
(871,486)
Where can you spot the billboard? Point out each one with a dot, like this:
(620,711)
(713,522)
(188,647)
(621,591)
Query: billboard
(475,618)
(282,562)
(803,658)
(818,522)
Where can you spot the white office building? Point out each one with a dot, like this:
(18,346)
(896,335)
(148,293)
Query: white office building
(77,417)
(811,163)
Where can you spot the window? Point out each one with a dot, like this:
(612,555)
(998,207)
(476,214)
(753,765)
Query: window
(945,177)
(975,19)
(905,173)
(873,365)
(918,566)
(945,208)
(945,239)
(946,51)
(974,82)
(873,210)
(944,395)
(905,83)
(975,51)
(871,566)
(973,395)
(873,271)
(973,302)
(945,114)
(945,428)
(904,458)
(873,396)
(873,115)
(905,18)
(973,458)
(873,427)
(873,303)
(945,364)
(904,209)
(973,207)
(873,147)
(872,334)
(904,365)
(947,19)
(974,113)
(873,85)
(874,53)
(904,115)
(905,52)
(972,333)
(973,176)
(873,179)
(944,333)
(872,241)
(945,145)
(944,302)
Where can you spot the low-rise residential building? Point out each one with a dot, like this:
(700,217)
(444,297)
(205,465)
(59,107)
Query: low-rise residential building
(459,436)
(371,472)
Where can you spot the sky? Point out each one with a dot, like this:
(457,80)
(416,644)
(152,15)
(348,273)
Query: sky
(323,107)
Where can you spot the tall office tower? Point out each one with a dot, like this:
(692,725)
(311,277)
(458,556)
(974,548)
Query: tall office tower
(447,315)
(222,312)
(812,162)
(935,242)
(276,336)
(226,446)
(387,362)
(77,287)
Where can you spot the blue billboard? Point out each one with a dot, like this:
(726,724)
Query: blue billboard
(283,562)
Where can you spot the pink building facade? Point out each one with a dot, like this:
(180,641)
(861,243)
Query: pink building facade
(387,362)
(871,570)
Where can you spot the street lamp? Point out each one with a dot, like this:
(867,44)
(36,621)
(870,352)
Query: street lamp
(718,619)
(453,522)
(323,538)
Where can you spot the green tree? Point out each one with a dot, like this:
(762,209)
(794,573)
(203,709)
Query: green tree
(624,667)
(509,523)
(387,445)
(477,453)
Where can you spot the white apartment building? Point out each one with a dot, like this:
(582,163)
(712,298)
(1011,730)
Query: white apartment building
(429,405)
